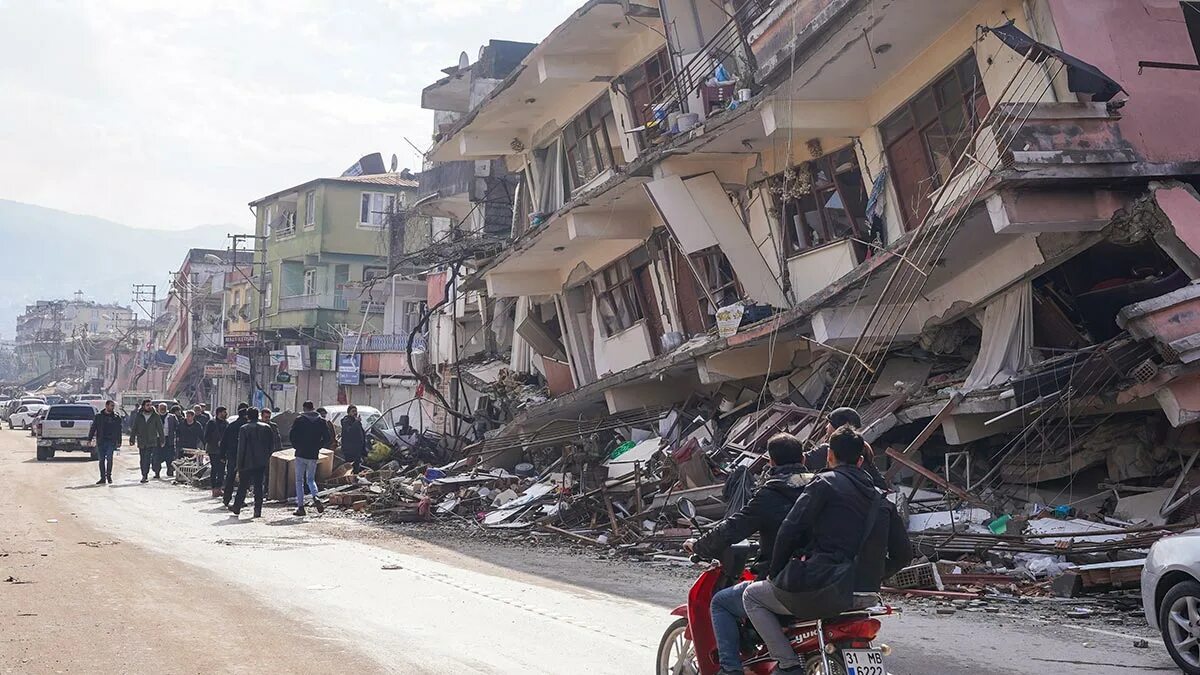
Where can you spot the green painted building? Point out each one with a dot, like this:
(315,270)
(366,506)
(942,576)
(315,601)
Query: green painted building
(323,240)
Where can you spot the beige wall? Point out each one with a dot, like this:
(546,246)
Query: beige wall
(815,269)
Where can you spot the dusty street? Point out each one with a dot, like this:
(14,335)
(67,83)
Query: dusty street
(156,578)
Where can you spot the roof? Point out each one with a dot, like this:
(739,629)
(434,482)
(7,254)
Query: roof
(387,179)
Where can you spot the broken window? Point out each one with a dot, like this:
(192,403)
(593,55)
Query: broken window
(824,200)
(717,276)
(927,135)
(617,297)
(589,152)
(645,85)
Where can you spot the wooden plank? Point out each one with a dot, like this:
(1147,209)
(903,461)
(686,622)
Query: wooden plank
(935,479)
(913,448)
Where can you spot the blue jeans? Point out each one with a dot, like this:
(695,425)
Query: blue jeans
(306,474)
(727,612)
(104,453)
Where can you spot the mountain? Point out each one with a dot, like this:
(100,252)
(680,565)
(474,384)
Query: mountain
(46,254)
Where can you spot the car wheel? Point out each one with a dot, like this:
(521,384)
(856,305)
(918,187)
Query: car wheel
(41,455)
(1179,619)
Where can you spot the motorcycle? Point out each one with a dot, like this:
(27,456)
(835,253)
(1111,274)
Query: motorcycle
(841,645)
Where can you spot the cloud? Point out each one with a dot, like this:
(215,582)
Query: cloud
(169,115)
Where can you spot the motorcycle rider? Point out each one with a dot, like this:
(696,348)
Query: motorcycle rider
(823,531)
(762,515)
(814,460)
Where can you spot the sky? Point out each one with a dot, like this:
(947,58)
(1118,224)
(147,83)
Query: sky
(166,114)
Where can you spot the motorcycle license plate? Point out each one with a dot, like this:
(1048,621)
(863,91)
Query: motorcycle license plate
(863,662)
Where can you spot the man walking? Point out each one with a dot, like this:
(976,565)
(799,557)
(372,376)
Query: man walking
(308,435)
(170,447)
(354,439)
(106,431)
(146,432)
(229,449)
(189,433)
(202,417)
(214,433)
(256,441)
(333,440)
(265,416)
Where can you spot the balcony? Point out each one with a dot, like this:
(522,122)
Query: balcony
(292,303)
(371,307)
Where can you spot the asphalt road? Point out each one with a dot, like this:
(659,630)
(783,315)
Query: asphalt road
(157,578)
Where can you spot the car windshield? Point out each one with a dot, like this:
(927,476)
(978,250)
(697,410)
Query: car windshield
(71,412)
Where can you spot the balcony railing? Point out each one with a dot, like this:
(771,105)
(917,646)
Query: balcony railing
(312,301)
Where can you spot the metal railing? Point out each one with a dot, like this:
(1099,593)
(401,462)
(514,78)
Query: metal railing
(312,301)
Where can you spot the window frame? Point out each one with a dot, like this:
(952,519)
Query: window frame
(309,281)
(706,262)
(644,90)
(386,205)
(310,209)
(796,241)
(616,289)
(583,133)
(268,216)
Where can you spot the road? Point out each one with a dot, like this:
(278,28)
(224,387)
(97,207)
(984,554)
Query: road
(157,578)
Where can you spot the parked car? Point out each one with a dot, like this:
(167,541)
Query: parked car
(65,428)
(88,398)
(24,415)
(366,413)
(55,399)
(1171,596)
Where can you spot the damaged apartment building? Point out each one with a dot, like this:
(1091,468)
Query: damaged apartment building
(974,220)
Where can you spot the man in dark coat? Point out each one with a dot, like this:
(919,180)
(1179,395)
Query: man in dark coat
(229,445)
(814,460)
(308,435)
(333,439)
(106,431)
(214,434)
(256,442)
(354,439)
(761,515)
(190,433)
(824,530)
(146,432)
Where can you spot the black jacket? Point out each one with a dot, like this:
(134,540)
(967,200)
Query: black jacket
(214,435)
(308,435)
(814,461)
(106,428)
(229,442)
(256,442)
(354,438)
(763,514)
(189,435)
(825,529)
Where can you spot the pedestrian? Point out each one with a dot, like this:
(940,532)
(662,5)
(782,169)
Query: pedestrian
(308,435)
(146,432)
(167,454)
(106,431)
(229,448)
(354,439)
(214,433)
(190,433)
(265,418)
(202,415)
(333,439)
(255,443)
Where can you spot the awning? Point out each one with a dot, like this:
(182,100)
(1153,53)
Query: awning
(1082,77)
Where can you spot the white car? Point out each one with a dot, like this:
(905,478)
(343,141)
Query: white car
(1171,596)
(24,415)
(366,413)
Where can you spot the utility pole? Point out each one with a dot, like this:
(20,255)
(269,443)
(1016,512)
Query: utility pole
(142,293)
(257,261)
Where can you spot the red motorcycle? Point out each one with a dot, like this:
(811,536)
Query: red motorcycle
(842,645)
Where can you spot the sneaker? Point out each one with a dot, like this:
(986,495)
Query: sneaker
(234,510)
(299,512)
(100,482)
(145,480)
(319,504)
(108,480)
(156,476)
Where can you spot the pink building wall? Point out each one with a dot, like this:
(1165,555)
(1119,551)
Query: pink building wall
(1114,35)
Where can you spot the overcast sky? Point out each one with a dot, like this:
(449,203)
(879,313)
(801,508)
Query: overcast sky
(170,114)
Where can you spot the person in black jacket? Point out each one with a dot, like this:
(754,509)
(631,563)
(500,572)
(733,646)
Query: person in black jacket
(229,451)
(814,459)
(824,530)
(189,433)
(761,515)
(214,434)
(256,442)
(106,431)
(354,439)
(308,435)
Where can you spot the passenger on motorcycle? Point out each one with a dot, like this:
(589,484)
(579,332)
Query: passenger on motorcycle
(822,534)
(814,460)
(762,515)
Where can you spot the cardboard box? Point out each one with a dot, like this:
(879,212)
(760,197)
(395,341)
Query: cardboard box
(282,474)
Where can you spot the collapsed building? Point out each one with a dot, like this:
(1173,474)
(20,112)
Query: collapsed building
(972,220)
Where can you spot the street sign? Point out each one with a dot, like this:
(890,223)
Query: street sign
(218,370)
(349,369)
(243,339)
(242,364)
(326,359)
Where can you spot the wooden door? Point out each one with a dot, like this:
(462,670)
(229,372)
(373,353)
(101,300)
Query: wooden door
(644,278)
(910,175)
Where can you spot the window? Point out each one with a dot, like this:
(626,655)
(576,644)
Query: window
(927,135)
(374,208)
(589,152)
(617,298)
(310,281)
(237,297)
(412,314)
(268,216)
(716,275)
(267,296)
(646,85)
(371,273)
(834,206)
(310,209)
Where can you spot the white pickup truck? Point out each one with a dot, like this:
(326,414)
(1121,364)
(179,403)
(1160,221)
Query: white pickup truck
(64,428)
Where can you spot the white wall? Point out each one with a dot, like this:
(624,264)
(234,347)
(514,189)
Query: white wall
(815,269)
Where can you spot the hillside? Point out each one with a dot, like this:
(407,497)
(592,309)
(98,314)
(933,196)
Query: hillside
(47,254)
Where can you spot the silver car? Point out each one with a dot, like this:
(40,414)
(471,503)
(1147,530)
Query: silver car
(1171,596)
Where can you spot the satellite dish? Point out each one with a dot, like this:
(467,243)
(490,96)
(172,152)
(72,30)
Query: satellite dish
(395,162)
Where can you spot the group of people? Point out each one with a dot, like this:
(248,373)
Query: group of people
(822,523)
(239,450)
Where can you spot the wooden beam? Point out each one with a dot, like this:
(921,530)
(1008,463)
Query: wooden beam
(913,448)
